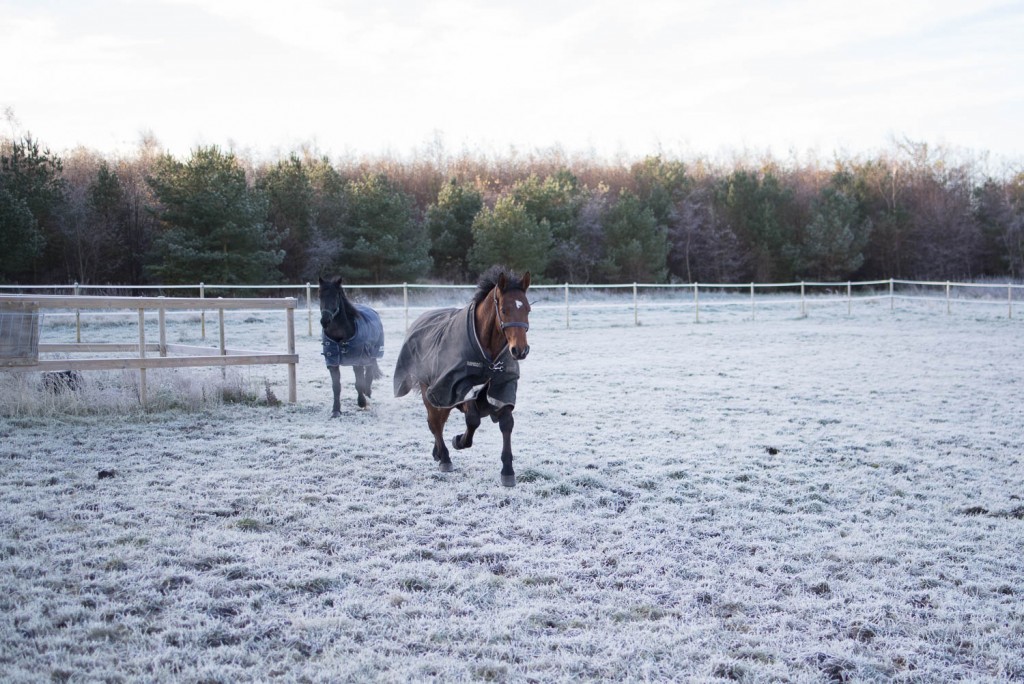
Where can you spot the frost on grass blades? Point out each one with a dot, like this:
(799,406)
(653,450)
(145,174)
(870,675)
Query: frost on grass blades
(797,499)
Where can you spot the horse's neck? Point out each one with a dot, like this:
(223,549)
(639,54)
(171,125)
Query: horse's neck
(487,329)
(343,325)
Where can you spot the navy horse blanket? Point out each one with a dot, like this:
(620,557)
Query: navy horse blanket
(363,348)
(443,352)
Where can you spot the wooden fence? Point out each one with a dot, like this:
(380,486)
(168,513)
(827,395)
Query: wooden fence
(20,350)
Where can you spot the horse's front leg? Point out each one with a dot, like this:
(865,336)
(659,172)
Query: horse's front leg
(336,388)
(436,419)
(505,424)
(362,384)
(465,440)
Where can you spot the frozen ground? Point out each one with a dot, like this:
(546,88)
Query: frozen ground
(785,499)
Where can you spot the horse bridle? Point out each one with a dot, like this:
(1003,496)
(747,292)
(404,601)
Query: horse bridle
(506,324)
(334,314)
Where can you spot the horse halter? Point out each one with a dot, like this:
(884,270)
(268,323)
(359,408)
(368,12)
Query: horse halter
(506,324)
(334,312)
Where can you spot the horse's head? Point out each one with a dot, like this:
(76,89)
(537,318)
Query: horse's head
(513,313)
(332,303)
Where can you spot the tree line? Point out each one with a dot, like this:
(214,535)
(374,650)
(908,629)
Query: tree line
(219,217)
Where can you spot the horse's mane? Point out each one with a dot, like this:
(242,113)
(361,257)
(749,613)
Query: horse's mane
(489,279)
(350,309)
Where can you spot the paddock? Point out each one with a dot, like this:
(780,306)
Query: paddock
(810,498)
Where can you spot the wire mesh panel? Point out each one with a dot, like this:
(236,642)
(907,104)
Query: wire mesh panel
(19,334)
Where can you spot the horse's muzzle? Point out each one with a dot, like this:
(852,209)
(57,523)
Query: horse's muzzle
(519,353)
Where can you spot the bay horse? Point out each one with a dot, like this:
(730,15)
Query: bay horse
(352,336)
(469,359)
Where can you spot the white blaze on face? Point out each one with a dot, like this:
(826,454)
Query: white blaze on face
(519,304)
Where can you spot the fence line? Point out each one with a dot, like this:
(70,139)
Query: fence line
(845,291)
(21,309)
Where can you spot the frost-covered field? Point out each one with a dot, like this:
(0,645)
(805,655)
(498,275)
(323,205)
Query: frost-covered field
(828,498)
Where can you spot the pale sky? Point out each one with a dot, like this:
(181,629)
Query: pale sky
(611,77)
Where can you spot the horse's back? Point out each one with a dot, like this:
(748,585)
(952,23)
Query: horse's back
(442,352)
(416,359)
(365,347)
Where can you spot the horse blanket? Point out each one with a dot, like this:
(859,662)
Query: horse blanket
(363,348)
(443,352)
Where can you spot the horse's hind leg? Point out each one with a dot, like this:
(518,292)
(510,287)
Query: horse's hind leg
(505,424)
(336,388)
(465,440)
(436,419)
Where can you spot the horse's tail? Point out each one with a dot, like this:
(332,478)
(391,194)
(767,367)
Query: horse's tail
(375,369)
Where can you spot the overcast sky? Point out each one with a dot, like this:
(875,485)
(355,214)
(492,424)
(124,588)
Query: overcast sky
(609,76)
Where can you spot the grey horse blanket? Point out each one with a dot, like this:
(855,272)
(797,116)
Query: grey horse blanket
(443,352)
(364,347)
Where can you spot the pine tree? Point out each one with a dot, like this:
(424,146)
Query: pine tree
(508,235)
(636,246)
(382,241)
(449,224)
(31,194)
(212,224)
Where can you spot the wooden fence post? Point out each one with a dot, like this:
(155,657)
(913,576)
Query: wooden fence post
(567,306)
(291,350)
(309,307)
(142,355)
(202,314)
(223,346)
(161,316)
(696,304)
(636,310)
(78,320)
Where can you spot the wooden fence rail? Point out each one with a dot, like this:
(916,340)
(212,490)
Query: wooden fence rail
(191,356)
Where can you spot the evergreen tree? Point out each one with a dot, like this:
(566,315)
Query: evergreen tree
(31,195)
(832,243)
(636,246)
(105,223)
(753,206)
(999,211)
(449,224)
(558,200)
(509,235)
(329,213)
(212,224)
(289,195)
(382,241)
(661,185)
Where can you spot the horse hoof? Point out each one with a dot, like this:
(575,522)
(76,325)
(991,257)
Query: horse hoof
(457,441)
(445,467)
(335,414)
(508,480)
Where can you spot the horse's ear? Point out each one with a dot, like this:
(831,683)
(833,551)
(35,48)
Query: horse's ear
(322,281)
(337,281)
(502,282)
(526,281)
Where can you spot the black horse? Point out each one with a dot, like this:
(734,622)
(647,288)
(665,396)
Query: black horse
(352,336)
(469,359)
